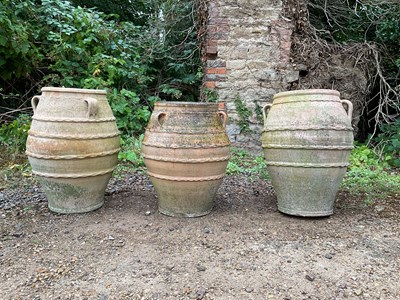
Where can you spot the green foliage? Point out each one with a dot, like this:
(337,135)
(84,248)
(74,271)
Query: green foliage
(244,114)
(135,11)
(14,134)
(210,95)
(130,157)
(388,143)
(56,43)
(131,150)
(18,52)
(131,115)
(369,176)
(244,163)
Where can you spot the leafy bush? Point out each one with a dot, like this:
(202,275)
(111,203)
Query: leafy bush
(388,143)
(54,43)
(369,176)
(14,134)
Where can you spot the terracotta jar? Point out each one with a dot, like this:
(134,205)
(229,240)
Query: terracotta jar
(72,147)
(307,139)
(186,151)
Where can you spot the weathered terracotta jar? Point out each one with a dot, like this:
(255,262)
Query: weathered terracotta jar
(307,139)
(72,147)
(186,151)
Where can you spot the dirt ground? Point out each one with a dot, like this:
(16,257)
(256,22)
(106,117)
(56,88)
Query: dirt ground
(244,249)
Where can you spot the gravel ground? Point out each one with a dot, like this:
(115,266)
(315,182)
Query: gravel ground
(244,249)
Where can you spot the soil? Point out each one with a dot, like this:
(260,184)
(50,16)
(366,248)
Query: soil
(244,249)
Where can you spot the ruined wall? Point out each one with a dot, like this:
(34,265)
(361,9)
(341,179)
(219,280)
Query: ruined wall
(257,48)
(248,60)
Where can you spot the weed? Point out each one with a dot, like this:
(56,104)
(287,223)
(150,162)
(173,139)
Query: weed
(369,176)
(388,143)
(13,135)
(244,114)
(243,162)
(130,157)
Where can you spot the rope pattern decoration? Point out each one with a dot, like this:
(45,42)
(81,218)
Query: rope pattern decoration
(300,101)
(174,146)
(186,160)
(72,136)
(186,179)
(73,120)
(337,128)
(66,157)
(188,132)
(307,165)
(307,147)
(72,176)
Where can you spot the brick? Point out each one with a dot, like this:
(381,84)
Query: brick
(212,43)
(219,71)
(211,50)
(210,84)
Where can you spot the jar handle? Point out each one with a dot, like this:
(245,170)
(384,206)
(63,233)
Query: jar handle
(35,102)
(161,117)
(265,110)
(349,108)
(92,107)
(224,117)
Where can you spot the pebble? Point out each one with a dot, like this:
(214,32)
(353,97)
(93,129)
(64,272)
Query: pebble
(200,268)
(358,292)
(200,293)
(147,213)
(310,277)
(249,289)
(328,256)
(206,230)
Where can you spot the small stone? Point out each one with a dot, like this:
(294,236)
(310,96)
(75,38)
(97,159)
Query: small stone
(358,292)
(249,289)
(170,267)
(200,293)
(111,238)
(102,297)
(200,268)
(328,256)
(147,213)
(310,277)
(206,230)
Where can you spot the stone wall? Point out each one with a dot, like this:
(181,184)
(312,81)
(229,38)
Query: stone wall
(247,59)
